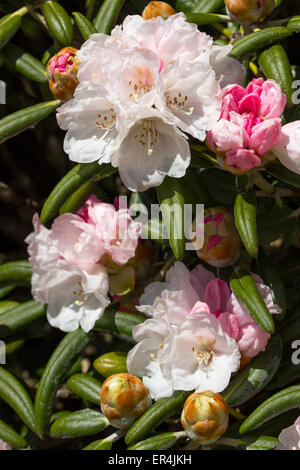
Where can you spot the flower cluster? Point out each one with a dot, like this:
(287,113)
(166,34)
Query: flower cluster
(71,262)
(141,90)
(197,332)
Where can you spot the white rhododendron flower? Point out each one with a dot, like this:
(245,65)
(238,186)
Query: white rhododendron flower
(289,438)
(139,90)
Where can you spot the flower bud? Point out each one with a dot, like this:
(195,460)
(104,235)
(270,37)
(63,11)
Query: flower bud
(205,417)
(222,245)
(62,71)
(154,9)
(249,11)
(124,398)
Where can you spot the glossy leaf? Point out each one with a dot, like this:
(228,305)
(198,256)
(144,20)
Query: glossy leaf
(15,272)
(4,291)
(259,39)
(59,23)
(245,289)
(15,395)
(245,220)
(86,387)
(256,375)
(107,15)
(275,65)
(79,423)
(9,25)
(155,415)
(77,200)
(202,19)
(24,63)
(102,444)
(161,441)
(264,443)
(294,24)
(84,25)
(19,121)
(277,404)
(9,435)
(111,363)
(20,316)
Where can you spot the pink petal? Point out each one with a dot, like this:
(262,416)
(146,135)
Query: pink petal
(217,294)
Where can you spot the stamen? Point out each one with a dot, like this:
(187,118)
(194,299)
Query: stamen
(175,103)
(147,136)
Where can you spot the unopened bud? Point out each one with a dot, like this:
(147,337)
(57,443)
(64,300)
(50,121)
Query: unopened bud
(249,11)
(205,417)
(124,398)
(62,71)
(222,245)
(154,9)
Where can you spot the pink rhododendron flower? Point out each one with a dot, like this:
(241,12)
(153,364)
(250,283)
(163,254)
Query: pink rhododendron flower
(141,90)
(70,261)
(5,445)
(288,148)
(289,438)
(249,125)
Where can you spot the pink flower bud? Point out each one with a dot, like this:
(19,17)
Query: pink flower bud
(249,11)
(62,70)
(222,244)
(124,398)
(154,9)
(205,417)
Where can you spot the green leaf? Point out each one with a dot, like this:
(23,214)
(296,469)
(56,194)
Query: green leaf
(12,346)
(20,316)
(290,327)
(9,435)
(208,6)
(15,395)
(76,178)
(77,200)
(171,199)
(245,220)
(24,63)
(275,65)
(79,423)
(15,272)
(275,223)
(272,279)
(111,363)
(256,375)
(283,174)
(7,305)
(259,39)
(86,387)
(161,441)
(277,404)
(194,189)
(102,444)
(59,22)
(84,25)
(185,5)
(4,291)
(286,374)
(294,24)
(120,323)
(19,121)
(107,15)
(9,25)
(205,18)
(222,185)
(246,291)
(264,443)
(54,374)
(155,415)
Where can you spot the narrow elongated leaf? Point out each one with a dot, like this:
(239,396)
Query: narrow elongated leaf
(19,121)
(9,435)
(245,289)
(277,404)
(208,6)
(23,63)
(294,24)
(77,200)
(255,376)
(59,23)
(71,182)
(245,220)
(119,323)
(102,444)
(54,374)
(275,223)
(185,5)
(79,423)
(84,25)
(259,39)
(171,199)
(85,386)
(20,316)
(264,443)
(9,25)
(153,416)
(205,18)
(161,441)
(4,291)
(282,173)
(285,375)
(15,272)
(7,305)
(290,327)
(107,15)
(111,363)
(15,395)
(275,65)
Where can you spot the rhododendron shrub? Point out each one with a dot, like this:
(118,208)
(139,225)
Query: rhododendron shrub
(149,268)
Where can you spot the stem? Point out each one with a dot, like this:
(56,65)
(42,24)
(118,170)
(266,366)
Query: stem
(236,414)
(180,434)
(165,268)
(262,184)
(115,436)
(223,30)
